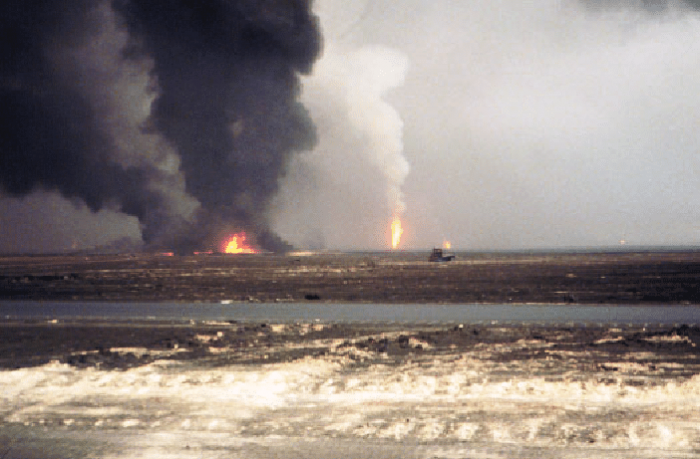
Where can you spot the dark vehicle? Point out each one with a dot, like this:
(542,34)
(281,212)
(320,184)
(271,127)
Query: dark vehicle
(437,255)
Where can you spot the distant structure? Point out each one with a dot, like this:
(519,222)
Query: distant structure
(438,256)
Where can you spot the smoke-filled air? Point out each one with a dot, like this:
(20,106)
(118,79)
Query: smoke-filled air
(179,114)
(492,125)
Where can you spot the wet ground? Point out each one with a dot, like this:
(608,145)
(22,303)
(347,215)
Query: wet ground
(664,352)
(84,389)
(671,277)
(223,389)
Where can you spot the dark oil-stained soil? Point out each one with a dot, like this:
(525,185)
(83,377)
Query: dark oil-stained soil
(669,352)
(654,277)
(394,277)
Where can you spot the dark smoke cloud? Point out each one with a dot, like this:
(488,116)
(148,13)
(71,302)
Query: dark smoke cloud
(49,136)
(226,76)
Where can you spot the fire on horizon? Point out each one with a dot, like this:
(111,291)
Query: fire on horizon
(237,244)
(396,232)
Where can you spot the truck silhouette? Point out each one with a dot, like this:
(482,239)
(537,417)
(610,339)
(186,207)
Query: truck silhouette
(437,255)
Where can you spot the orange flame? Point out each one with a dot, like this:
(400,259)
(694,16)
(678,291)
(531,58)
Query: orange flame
(446,245)
(396,232)
(237,244)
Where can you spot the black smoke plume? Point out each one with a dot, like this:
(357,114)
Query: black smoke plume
(49,135)
(228,82)
(226,74)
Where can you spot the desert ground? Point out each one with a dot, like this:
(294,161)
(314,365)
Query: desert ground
(670,277)
(645,277)
(91,387)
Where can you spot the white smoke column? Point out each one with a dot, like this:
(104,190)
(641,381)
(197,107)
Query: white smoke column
(371,73)
(339,194)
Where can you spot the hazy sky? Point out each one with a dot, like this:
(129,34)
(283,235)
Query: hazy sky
(494,125)
(560,125)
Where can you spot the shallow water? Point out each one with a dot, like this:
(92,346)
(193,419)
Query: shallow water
(345,401)
(349,313)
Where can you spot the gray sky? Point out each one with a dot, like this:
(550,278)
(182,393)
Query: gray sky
(494,125)
(547,126)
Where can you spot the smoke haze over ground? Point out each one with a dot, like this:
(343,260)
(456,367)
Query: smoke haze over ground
(499,125)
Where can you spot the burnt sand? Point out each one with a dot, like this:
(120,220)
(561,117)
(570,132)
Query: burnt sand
(117,389)
(604,359)
(671,277)
(576,278)
(671,352)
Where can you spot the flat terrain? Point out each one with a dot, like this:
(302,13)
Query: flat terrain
(180,388)
(671,277)
(666,352)
(86,389)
